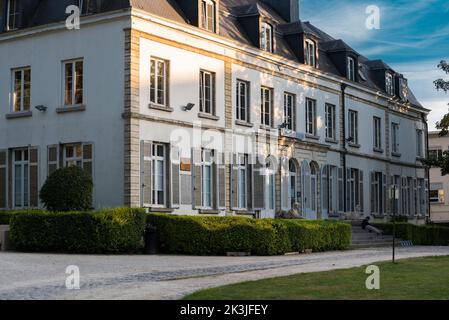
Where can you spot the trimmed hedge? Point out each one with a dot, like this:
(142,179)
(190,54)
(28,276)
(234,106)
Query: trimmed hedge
(194,235)
(107,231)
(418,234)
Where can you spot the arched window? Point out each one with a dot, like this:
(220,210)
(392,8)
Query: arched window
(351,69)
(310,53)
(292,184)
(266,37)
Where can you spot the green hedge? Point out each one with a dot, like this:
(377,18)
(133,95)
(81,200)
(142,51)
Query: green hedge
(418,234)
(6,216)
(196,235)
(107,231)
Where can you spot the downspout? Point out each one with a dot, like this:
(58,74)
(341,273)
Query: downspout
(345,150)
(424,118)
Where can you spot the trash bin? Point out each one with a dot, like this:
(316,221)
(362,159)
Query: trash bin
(151,240)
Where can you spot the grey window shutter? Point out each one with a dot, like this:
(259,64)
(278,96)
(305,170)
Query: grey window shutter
(384,193)
(426,197)
(33,167)
(361,196)
(234,183)
(285,177)
(258,186)
(221,177)
(372,178)
(3,177)
(415,198)
(197,176)
(341,190)
(88,158)
(249,183)
(325,188)
(349,193)
(52,159)
(146,173)
(175,176)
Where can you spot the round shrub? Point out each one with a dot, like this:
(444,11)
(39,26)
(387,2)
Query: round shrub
(68,189)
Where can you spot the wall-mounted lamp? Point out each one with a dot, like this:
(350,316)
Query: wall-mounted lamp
(188,107)
(283,126)
(350,139)
(41,108)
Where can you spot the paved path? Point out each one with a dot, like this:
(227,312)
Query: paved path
(42,276)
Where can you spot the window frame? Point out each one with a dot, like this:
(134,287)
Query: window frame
(330,110)
(419,143)
(311,123)
(24,164)
(395,137)
(377,133)
(266,37)
(351,75)
(12,14)
(389,83)
(22,106)
(290,120)
(266,104)
(246,99)
(353,124)
(207,165)
(155,188)
(242,178)
(154,89)
(310,52)
(203,100)
(206,20)
(74,83)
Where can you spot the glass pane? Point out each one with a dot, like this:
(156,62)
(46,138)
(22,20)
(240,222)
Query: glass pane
(79,82)
(17,95)
(18,185)
(153,81)
(26,89)
(68,84)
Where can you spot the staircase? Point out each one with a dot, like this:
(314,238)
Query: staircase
(363,239)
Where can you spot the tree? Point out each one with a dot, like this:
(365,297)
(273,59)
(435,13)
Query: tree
(442,125)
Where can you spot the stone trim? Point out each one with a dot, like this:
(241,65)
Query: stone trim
(131,125)
(17,115)
(69,109)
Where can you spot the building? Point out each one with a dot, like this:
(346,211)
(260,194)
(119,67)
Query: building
(205,107)
(439,185)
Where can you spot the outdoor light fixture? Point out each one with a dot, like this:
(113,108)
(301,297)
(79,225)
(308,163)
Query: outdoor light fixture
(350,139)
(283,126)
(188,107)
(41,108)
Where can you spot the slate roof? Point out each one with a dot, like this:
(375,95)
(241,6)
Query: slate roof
(48,11)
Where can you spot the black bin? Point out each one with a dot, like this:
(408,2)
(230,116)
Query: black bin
(151,240)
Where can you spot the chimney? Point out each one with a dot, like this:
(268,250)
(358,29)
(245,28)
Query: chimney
(287,9)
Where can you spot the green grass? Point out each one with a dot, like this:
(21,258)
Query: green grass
(415,279)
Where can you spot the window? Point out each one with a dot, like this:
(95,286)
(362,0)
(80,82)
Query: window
(377,133)
(354,201)
(353,127)
(435,154)
(266,37)
(378,193)
(389,85)
(207,92)
(21,89)
(266,106)
(329,184)
(310,54)
(78,154)
(242,101)
(208,10)
(293,184)
(13,14)
(419,143)
(159,174)
(311,117)
(351,69)
(21,181)
(73,83)
(330,122)
(206,183)
(158,82)
(395,138)
(242,165)
(436,193)
(289,111)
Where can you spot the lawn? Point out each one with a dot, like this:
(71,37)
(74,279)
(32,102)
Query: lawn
(416,279)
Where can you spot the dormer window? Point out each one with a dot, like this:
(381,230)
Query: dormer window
(403,87)
(266,37)
(389,84)
(310,54)
(209,18)
(12,15)
(351,69)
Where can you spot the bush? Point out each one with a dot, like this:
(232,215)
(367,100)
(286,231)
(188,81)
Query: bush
(218,235)
(418,234)
(6,216)
(68,189)
(106,231)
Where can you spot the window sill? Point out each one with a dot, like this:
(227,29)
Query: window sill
(312,137)
(68,109)
(160,108)
(208,211)
(333,141)
(208,116)
(161,210)
(396,154)
(354,145)
(420,159)
(244,123)
(241,212)
(265,127)
(16,115)
(378,150)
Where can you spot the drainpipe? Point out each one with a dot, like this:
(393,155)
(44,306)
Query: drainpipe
(424,118)
(343,105)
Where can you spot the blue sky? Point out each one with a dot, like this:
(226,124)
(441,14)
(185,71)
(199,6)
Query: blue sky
(413,38)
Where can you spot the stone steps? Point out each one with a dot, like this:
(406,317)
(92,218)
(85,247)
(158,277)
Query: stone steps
(364,239)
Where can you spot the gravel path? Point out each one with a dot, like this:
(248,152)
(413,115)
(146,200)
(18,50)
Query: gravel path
(42,276)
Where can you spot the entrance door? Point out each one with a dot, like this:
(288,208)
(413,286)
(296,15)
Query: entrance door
(270,200)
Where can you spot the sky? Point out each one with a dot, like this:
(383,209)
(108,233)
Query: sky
(413,38)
